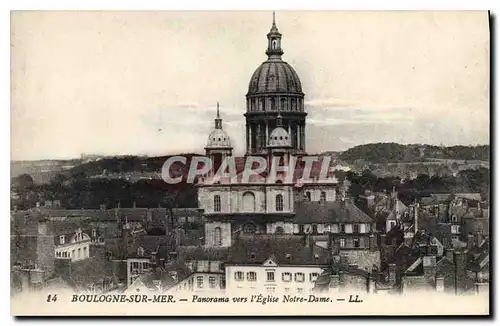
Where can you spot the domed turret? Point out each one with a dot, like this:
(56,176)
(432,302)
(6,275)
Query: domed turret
(218,138)
(279,137)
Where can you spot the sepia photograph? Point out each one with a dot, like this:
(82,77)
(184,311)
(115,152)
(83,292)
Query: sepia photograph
(250,163)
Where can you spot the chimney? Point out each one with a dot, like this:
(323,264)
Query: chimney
(392,274)
(330,242)
(477,238)
(460,273)
(470,241)
(373,242)
(429,263)
(449,254)
(383,240)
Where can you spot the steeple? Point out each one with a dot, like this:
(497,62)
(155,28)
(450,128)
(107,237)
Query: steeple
(218,120)
(274,50)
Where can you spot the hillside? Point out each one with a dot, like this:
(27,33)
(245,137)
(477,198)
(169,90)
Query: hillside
(393,153)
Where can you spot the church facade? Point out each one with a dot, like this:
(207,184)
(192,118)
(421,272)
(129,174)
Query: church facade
(275,130)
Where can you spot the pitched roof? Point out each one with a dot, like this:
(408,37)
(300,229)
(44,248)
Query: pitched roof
(329,212)
(287,250)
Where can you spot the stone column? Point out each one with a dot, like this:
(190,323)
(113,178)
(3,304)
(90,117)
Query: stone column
(267,133)
(250,138)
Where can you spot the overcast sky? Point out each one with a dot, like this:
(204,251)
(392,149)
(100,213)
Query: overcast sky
(148,82)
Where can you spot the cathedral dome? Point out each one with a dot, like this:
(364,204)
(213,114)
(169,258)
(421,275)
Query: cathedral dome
(274,76)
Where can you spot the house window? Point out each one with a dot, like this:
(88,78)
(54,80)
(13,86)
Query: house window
(270,276)
(286,277)
(279,203)
(356,242)
(308,195)
(270,289)
(454,218)
(238,276)
(199,282)
(299,277)
(322,196)
(342,243)
(252,276)
(313,277)
(85,252)
(61,239)
(217,203)
(355,228)
(342,228)
(279,230)
(455,229)
(217,237)
(212,282)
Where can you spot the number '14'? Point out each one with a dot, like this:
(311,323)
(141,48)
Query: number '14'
(52,297)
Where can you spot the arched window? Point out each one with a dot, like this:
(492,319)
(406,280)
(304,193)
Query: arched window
(273,104)
(279,203)
(248,202)
(274,44)
(262,104)
(217,237)
(322,196)
(249,228)
(294,105)
(283,104)
(217,203)
(279,230)
(308,195)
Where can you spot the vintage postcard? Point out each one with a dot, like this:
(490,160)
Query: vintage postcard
(170,163)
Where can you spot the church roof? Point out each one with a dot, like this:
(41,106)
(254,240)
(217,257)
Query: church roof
(329,212)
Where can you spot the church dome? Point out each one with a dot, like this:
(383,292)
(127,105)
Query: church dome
(218,138)
(274,76)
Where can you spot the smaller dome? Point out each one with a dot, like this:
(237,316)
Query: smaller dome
(279,138)
(218,138)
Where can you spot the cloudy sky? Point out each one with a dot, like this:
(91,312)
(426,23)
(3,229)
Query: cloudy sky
(148,82)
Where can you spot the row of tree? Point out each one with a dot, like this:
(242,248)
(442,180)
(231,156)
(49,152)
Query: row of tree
(393,152)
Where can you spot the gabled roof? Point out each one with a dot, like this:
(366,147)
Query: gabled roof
(329,212)
(284,249)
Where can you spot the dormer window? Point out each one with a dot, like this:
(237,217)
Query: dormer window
(61,239)
(140,251)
